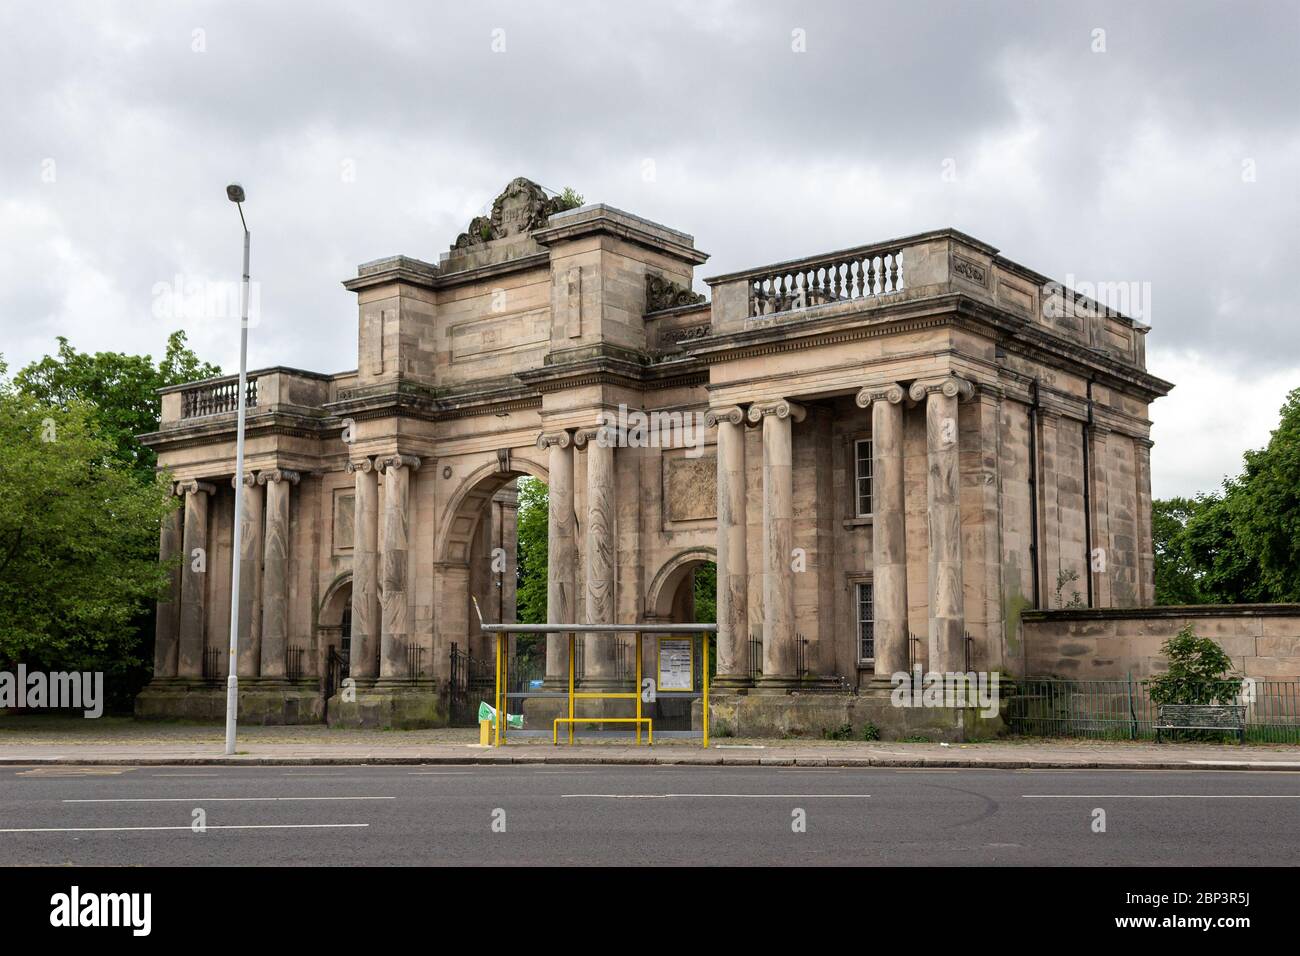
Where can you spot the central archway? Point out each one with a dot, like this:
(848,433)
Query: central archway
(475,557)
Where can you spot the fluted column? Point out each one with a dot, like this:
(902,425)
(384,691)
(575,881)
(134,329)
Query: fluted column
(561,553)
(599,658)
(275,571)
(943,497)
(170,540)
(363,661)
(733,563)
(395,631)
(888,528)
(250,578)
(194,563)
(779,654)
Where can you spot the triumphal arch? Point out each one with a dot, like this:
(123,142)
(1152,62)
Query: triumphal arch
(888,451)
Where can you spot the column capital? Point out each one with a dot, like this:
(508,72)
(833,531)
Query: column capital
(599,433)
(1144,444)
(781,408)
(250,479)
(734,414)
(891,393)
(363,465)
(194,486)
(278,474)
(398,461)
(559,439)
(951,386)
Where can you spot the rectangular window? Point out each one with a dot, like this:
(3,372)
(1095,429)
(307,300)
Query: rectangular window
(866,622)
(862,475)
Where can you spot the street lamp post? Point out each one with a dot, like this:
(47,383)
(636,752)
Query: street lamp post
(235,193)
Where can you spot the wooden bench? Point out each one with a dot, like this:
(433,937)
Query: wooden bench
(1231,717)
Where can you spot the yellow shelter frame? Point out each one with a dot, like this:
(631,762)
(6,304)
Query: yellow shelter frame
(503,632)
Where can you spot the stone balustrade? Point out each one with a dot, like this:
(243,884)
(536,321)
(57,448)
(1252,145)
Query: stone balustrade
(838,277)
(213,398)
(267,390)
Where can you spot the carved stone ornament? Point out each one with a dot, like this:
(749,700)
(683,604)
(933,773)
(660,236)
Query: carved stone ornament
(522,207)
(661,293)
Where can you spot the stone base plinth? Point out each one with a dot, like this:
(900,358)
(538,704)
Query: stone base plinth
(818,716)
(396,706)
(265,702)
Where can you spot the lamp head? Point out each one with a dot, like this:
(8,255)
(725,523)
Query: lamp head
(235,192)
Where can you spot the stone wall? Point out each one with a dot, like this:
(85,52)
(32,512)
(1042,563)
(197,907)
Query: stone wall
(1263,639)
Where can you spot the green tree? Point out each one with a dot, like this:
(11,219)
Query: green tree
(1175,574)
(1265,507)
(78,539)
(1241,544)
(706,593)
(530,595)
(120,390)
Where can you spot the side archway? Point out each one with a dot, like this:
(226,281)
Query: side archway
(662,599)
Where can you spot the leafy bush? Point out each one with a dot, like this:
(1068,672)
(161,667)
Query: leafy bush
(1200,672)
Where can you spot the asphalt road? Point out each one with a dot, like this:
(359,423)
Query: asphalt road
(643,815)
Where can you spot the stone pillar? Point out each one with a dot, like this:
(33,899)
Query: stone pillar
(275,573)
(733,563)
(250,579)
(395,630)
(170,540)
(1146,582)
(888,528)
(599,659)
(194,564)
(561,554)
(943,498)
(779,654)
(1100,559)
(363,661)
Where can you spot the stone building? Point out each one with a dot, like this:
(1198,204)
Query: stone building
(889,451)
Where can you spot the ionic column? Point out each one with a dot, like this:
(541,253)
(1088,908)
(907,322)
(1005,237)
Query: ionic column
(363,662)
(733,563)
(779,655)
(275,573)
(599,661)
(250,578)
(888,528)
(943,497)
(562,553)
(395,626)
(194,564)
(170,539)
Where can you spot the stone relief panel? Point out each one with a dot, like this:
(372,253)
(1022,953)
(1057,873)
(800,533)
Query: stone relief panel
(690,487)
(342,522)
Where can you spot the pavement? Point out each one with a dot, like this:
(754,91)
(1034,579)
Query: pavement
(112,741)
(593,815)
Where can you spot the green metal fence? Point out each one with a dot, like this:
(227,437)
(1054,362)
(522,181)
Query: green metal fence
(1123,710)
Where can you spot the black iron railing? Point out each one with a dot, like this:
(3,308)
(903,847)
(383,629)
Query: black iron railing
(293,663)
(212,664)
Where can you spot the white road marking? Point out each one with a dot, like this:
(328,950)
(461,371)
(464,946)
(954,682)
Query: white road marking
(209,799)
(733,796)
(226,826)
(1162,796)
(440,773)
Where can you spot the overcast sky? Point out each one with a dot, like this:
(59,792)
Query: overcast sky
(1156,144)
